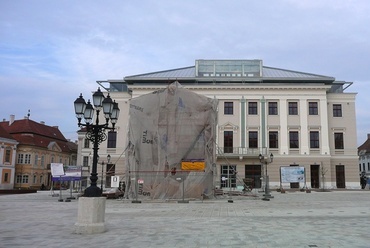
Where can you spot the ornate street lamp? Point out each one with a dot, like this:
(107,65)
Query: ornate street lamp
(262,159)
(96,132)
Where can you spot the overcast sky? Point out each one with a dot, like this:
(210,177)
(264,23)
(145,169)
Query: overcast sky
(50,51)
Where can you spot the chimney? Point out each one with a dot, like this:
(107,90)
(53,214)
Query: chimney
(11,120)
(368,136)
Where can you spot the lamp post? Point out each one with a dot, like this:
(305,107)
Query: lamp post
(96,132)
(262,159)
(102,174)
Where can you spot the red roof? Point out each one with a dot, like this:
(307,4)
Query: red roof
(4,133)
(29,132)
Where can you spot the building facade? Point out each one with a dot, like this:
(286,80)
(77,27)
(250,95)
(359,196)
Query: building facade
(303,119)
(364,157)
(38,145)
(8,152)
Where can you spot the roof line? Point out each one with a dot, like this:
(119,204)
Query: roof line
(306,73)
(181,68)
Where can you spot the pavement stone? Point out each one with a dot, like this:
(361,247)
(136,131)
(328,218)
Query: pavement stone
(294,219)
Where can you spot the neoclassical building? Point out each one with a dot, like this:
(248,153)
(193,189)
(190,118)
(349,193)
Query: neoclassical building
(303,119)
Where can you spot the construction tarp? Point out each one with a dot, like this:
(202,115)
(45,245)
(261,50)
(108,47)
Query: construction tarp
(168,128)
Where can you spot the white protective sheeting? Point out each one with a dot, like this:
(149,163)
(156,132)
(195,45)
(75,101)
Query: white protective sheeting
(167,127)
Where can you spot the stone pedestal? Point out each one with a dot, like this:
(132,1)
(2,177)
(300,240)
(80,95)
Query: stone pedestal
(91,215)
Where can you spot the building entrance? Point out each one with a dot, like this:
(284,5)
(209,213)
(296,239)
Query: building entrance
(340,176)
(315,176)
(253,172)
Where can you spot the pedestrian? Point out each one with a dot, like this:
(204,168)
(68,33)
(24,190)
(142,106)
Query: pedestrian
(363,180)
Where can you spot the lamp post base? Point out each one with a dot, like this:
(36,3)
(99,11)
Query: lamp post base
(91,215)
(93,191)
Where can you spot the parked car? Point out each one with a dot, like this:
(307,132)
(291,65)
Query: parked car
(113,193)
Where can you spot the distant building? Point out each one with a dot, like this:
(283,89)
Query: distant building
(8,151)
(303,119)
(364,157)
(39,145)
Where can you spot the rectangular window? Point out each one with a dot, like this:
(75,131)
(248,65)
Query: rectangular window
(252,108)
(112,139)
(293,108)
(25,179)
(228,141)
(273,110)
(368,166)
(228,108)
(36,160)
(42,161)
(7,155)
(20,158)
(27,158)
(338,140)
(6,177)
(314,139)
(273,139)
(85,161)
(313,108)
(86,143)
(293,139)
(34,179)
(19,179)
(253,139)
(337,110)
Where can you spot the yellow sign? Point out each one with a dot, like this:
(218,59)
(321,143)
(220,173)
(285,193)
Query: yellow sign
(192,165)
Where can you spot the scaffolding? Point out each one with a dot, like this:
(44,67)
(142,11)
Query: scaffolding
(171,144)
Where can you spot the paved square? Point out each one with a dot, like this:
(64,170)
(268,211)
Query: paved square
(294,219)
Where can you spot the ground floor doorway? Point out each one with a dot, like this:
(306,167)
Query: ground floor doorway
(315,176)
(340,176)
(228,176)
(253,173)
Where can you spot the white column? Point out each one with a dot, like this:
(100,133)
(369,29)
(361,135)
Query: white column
(304,137)
(283,139)
(324,132)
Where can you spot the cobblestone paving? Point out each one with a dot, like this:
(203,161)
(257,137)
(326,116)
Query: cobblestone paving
(319,219)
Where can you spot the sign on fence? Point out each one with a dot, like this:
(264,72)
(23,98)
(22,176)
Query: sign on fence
(292,174)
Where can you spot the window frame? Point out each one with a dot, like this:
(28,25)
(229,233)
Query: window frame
(228,108)
(337,110)
(112,139)
(338,141)
(294,140)
(293,108)
(313,108)
(275,141)
(228,140)
(252,108)
(314,139)
(273,108)
(253,139)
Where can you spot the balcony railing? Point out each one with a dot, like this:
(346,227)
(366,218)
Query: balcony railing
(240,151)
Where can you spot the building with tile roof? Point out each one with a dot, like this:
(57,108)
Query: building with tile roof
(364,156)
(305,120)
(39,145)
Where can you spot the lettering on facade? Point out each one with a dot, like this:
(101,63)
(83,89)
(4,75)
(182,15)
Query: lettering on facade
(145,139)
(141,109)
